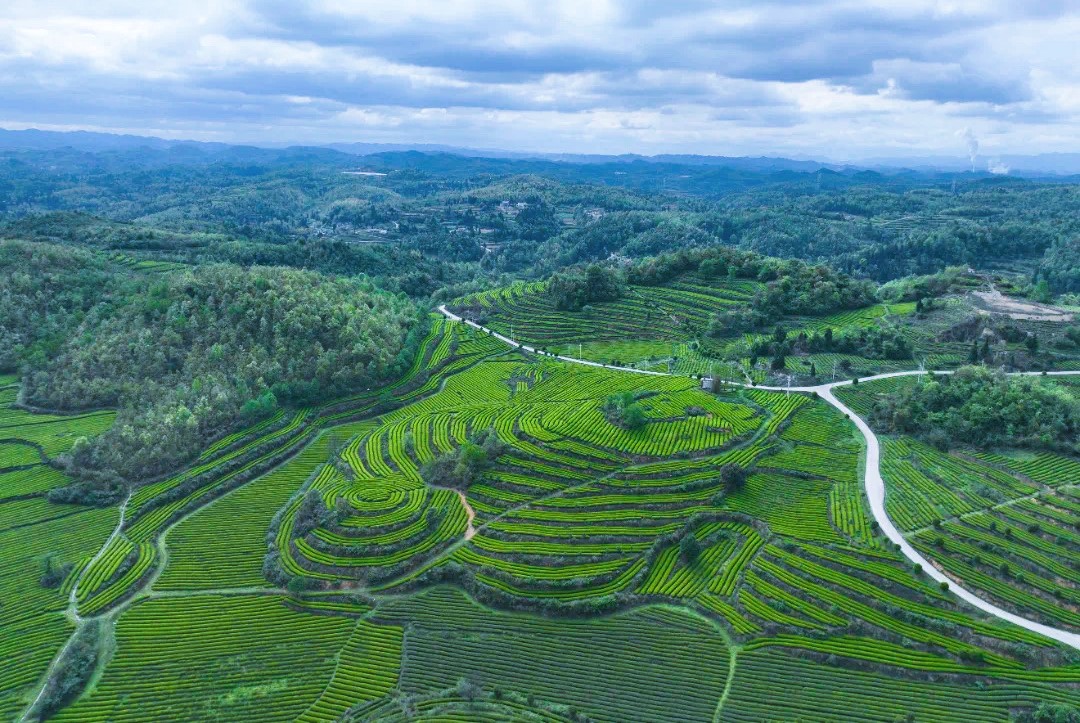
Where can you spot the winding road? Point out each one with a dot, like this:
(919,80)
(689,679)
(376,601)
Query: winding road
(873,483)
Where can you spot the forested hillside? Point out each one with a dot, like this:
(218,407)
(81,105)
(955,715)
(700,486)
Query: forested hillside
(979,408)
(146,296)
(187,353)
(421,223)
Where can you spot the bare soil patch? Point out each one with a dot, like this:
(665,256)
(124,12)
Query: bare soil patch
(1020,309)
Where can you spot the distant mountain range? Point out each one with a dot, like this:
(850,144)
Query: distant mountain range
(1040,165)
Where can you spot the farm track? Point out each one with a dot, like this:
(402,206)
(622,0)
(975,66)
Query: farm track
(872,481)
(73,610)
(470,513)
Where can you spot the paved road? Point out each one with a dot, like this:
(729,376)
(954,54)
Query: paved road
(874,484)
(875,493)
(454,317)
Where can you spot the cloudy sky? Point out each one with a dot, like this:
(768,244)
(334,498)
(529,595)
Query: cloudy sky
(840,79)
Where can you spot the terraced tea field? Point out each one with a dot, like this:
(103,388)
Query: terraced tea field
(308,568)
(1004,522)
(664,328)
(32,626)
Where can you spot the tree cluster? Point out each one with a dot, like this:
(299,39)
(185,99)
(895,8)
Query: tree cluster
(791,286)
(624,410)
(983,408)
(571,290)
(187,354)
(1050,713)
(73,671)
(465,464)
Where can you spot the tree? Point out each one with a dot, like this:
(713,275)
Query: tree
(1051,713)
(733,477)
(634,416)
(574,290)
(311,514)
(1032,343)
(623,410)
(689,548)
(297,585)
(601,284)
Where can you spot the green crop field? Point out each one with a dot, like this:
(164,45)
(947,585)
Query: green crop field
(666,328)
(1003,521)
(32,624)
(585,571)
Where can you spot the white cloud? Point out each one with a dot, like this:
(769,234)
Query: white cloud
(833,78)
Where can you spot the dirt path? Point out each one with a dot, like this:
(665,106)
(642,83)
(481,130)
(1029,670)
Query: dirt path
(73,610)
(470,531)
(873,482)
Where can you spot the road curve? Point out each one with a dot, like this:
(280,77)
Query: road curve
(873,483)
(875,493)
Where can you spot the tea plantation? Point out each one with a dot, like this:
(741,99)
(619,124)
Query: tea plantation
(488,539)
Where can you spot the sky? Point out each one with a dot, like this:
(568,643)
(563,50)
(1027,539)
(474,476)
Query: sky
(835,79)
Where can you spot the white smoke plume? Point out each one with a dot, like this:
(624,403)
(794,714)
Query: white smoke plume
(972,144)
(994,165)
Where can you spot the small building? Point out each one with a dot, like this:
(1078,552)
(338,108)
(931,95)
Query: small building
(712,384)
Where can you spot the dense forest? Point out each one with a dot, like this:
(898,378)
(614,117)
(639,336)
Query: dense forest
(425,223)
(187,354)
